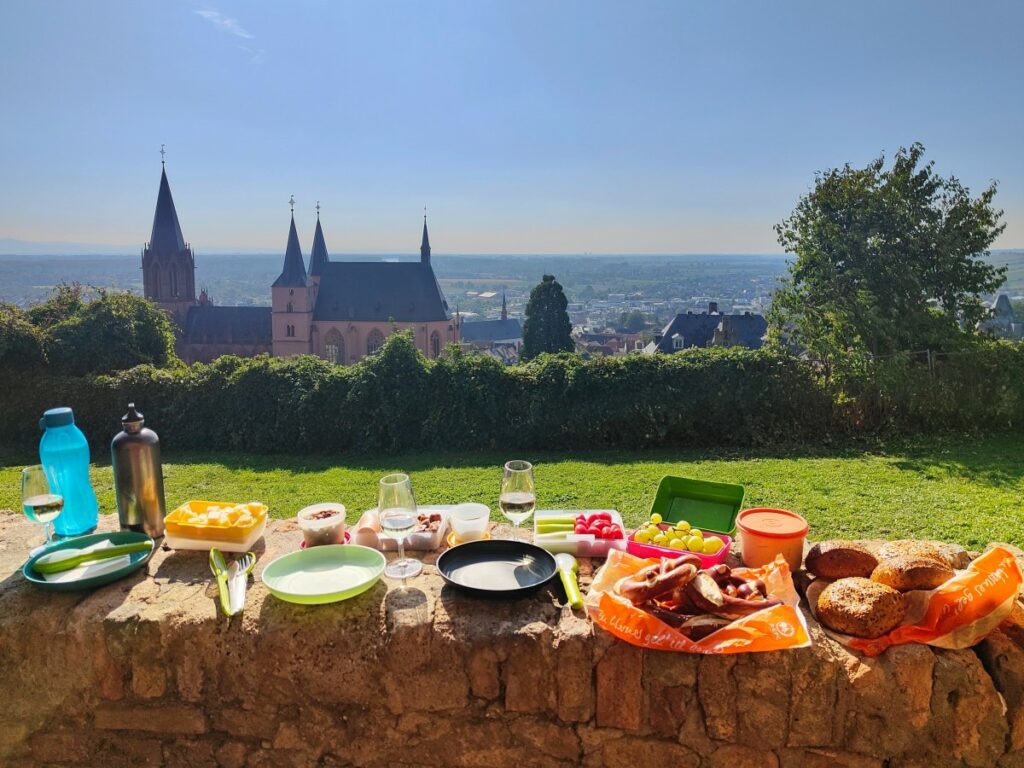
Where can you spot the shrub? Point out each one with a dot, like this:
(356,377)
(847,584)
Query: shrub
(398,401)
(114,332)
(21,343)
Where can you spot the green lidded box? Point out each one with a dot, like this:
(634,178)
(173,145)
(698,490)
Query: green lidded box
(704,504)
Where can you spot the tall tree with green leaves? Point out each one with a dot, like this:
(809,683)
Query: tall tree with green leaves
(888,259)
(547,327)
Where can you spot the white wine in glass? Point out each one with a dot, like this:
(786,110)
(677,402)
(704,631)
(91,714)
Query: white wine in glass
(518,499)
(41,500)
(397,509)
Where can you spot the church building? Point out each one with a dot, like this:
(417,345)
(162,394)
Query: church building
(338,310)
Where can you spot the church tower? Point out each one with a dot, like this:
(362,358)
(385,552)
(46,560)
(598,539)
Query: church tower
(318,257)
(292,299)
(168,267)
(425,243)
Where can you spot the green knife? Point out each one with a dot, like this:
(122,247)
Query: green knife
(66,559)
(220,570)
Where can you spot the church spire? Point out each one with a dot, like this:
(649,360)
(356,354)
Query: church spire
(425,243)
(166,237)
(504,307)
(293,273)
(318,256)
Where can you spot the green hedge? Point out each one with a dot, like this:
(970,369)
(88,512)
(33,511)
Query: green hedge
(398,401)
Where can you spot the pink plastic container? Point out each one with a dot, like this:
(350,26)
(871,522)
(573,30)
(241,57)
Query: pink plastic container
(766,532)
(653,550)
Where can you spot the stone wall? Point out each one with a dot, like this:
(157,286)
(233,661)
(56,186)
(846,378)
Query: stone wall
(146,672)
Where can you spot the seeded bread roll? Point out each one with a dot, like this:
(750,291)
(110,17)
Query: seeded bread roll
(839,559)
(949,554)
(860,607)
(905,573)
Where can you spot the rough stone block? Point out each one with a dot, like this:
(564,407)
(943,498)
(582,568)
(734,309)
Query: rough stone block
(739,756)
(620,691)
(176,719)
(637,752)
(484,674)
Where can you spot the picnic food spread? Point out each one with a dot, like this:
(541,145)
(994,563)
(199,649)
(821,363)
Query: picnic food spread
(664,585)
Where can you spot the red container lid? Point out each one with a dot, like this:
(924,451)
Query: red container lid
(772,523)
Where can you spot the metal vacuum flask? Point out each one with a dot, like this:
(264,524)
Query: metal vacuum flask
(138,476)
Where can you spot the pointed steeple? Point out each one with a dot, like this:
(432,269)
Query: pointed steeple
(504,307)
(425,243)
(293,273)
(318,256)
(166,237)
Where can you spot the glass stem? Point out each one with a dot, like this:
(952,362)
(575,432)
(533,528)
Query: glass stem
(48,532)
(401,558)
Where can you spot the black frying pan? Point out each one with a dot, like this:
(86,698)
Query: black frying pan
(497,567)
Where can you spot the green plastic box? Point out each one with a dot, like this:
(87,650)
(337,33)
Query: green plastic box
(704,504)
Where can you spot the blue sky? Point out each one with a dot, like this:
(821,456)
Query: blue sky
(523,126)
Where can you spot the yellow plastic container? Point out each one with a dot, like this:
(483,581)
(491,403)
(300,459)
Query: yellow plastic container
(216,520)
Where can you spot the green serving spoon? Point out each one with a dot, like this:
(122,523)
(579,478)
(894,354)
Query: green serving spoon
(66,559)
(567,568)
(219,567)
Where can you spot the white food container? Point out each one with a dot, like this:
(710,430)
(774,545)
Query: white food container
(181,542)
(366,532)
(578,544)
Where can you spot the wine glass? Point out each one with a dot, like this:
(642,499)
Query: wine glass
(517,499)
(41,499)
(397,508)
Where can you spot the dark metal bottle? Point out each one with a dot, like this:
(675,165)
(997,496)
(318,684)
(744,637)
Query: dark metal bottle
(138,476)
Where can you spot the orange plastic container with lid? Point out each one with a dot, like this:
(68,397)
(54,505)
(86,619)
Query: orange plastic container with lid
(766,532)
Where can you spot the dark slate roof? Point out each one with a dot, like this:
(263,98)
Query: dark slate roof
(696,330)
(207,324)
(293,273)
(491,330)
(744,330)
(404,291)
(166,236)
(318,256)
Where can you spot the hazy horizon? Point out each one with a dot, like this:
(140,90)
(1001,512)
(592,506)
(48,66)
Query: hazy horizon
(524,127)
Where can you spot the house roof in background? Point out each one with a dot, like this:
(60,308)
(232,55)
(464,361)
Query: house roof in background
(491,330)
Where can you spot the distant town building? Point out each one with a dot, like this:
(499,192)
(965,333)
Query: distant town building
(490,335)
(710,329)
(1002,323)
(338,310)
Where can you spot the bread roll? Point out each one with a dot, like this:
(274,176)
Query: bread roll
(905,573)
(839,559)
(860,607)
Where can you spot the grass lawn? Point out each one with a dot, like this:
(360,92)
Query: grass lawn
(968,491)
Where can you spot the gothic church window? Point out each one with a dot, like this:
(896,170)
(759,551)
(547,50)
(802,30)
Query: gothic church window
(174,282)
(374,341)
(334,346)
(435,344)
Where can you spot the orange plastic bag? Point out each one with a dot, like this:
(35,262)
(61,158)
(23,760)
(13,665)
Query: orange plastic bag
(956,614)
(776,628)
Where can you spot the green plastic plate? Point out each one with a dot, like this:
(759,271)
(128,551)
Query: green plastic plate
(703,504)
(323,574)
(136,561)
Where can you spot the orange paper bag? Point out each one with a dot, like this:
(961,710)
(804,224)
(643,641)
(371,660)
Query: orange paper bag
(772,629)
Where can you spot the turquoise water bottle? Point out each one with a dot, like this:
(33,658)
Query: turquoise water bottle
(64,454)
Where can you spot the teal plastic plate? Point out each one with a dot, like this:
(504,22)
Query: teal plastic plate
(135,561)
(325,574)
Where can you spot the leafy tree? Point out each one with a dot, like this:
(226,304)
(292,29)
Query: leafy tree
(547,327)
(633,322)
(113,332)
(64,303)
(21,343)
(887,260)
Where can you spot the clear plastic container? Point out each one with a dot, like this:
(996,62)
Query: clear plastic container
(322,524)
(470,521)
